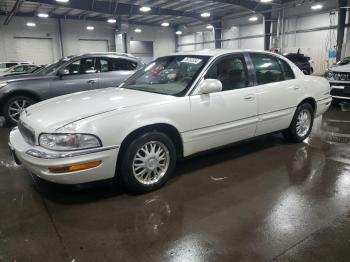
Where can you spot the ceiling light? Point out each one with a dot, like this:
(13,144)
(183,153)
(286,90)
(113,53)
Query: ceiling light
(317,7)
(253,18)
(265,1)
(31,24)
(178,32)
(112,20)
(137,30)
(145,9)
(165,24)
(62,1)
(43,15)
(205,14)
(90,28)
(209,27)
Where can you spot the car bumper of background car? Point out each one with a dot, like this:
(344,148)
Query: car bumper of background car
(39,160)
(323,105)
(340,89)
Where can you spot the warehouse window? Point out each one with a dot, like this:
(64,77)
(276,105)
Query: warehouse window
(231,71)
(267,69)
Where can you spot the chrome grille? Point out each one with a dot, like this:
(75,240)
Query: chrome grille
(340,76)
(27,133)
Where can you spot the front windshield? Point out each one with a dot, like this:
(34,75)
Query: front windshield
(171,75)
(344,61)
(51,68)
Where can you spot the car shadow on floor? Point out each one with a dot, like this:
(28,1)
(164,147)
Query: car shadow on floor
(91,192)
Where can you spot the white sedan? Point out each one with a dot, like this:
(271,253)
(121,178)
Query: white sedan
(177,106)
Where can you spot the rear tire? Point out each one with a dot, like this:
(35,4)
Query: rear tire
(14,106)
(147,163)
(301,125)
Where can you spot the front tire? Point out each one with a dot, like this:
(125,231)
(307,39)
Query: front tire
(301,125)
(14,106)
(148,162)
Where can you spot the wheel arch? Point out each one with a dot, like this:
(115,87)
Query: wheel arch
(9,95)
(165,128)
(311,101)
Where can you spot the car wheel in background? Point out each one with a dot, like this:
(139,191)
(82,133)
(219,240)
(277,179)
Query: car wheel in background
(14,106)
(301,125)
(148,162)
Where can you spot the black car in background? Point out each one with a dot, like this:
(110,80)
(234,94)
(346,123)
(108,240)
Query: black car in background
(301,61)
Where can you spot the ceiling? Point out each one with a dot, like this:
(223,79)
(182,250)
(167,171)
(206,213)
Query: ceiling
(179,12)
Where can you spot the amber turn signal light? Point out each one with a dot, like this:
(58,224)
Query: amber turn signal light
(73,168)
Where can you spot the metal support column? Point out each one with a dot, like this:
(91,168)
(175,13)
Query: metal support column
(267,30)
(217,33)
(341,27)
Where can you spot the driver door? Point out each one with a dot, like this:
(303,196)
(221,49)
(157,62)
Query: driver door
(230,115)
(80,75)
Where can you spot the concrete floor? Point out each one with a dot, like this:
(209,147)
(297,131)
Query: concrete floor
(256,201)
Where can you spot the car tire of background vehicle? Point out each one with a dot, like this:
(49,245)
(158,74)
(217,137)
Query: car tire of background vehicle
(14,106)
(147,163)
(301,125)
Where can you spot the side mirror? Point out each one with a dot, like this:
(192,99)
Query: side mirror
(63,72)
(208,86)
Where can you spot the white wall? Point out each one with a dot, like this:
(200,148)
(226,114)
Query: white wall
(163,38)
(242,34)
(313,43)
(75,30)
(47,28)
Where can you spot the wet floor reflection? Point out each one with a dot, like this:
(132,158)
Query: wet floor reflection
(251,201)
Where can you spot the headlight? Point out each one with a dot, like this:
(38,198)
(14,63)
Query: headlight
(3,84)
(329,74)
(66,142)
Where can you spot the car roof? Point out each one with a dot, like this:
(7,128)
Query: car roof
(219,52)
(104,54)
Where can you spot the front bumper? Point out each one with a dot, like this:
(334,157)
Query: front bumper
(340,89)
(39,164)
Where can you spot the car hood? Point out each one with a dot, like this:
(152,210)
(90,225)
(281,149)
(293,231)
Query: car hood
(341,68)
(49,115)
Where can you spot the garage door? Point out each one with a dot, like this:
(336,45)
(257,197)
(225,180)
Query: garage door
(88,46)
(37,50)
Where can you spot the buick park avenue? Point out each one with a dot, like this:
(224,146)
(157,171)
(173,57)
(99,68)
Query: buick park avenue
(177,106)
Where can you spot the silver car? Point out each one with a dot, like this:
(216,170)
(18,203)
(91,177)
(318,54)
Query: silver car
(68,75)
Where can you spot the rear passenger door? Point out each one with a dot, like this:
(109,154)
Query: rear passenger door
(113,71)
(278,92)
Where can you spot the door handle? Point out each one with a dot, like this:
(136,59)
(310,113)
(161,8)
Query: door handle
(91,81)
(296,87)
(249,97)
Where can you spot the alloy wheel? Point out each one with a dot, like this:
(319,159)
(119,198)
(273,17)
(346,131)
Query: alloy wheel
(16,107)
(151,162)
(303,123)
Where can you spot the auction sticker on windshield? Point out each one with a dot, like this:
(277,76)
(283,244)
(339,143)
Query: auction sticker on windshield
(191,60)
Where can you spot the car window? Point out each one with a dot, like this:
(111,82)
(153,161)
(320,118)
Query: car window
(267,69)
(344,61)
(171,75)
(19,69)
(117,64)
(287,70)
(231,71)
(8,65)
(82,66)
